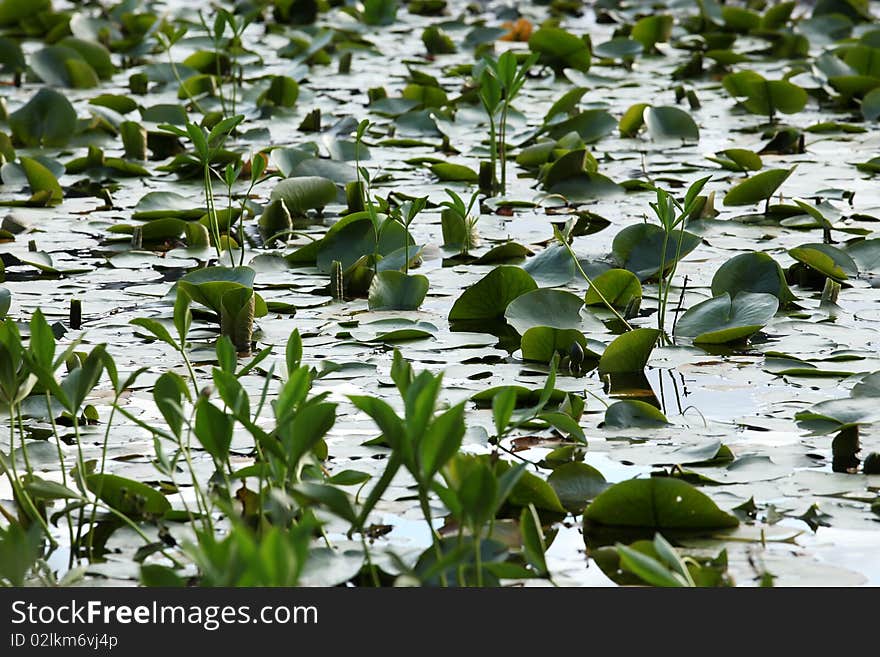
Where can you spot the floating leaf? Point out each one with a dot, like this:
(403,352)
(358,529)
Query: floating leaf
(752,272)
(304,193)
(657,503)
(629,353)
(639,248)
(826,259)
(722,319)
(630,413)
(617,286)
(394,290)
(489,297)
(759,187)
(560,49)
(576,484)
(670,123)
(545,307)
(132,498)
(47,119)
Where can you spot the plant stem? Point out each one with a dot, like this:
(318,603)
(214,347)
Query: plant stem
(589,281)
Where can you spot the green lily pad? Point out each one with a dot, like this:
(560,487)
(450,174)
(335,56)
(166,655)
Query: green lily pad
(545,307)
(629,352)
(47,119)
(759,187)
(541,343)
(618,287)
(207,286)
(670,123)
(449,172)
(638,248)
(752,272)
(132,498)
(560,49)
(395,290)
(489,297)
(630,413)
(576,484)
(738,159)
(657,503)
(722,319)
(304,193)
(827,260)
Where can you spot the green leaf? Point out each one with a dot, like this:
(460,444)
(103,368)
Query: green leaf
(489,297)
(770,96)
(5,301)
(738,159)
(449,172)
(309,426)
(630,413)
(42,180)
(531,489)
(629,353)
(657,503)
(759,187)
(652,30)
(169,391)
(157,329)
(333,499)
(60,66)
(534,545)
(542,343)
(633,120)
(153,574)
(13,11)
(394,290)
(560,49)
(721,320)
(871,105)
(619,48)
(129,497)
(670,123)
(752,272)
(49,490)
(618,286)
(546,307)
(441,441)
(576,484)
(47,119)
(639,248)
(647,568)
(213,429)
(827,260)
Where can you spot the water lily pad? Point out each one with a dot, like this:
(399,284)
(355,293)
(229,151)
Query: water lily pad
(629,353)
(657,503)
(576,484)
(304,193)
(542,343)
(489,297)
(827,260)
(545,307)
(725,319)
(616,286)
(639,248)
(629,413)
(752,272)
(47,119)
(669,122)
(395,290)
(759,187)
(560,49)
